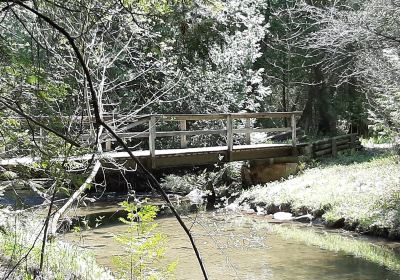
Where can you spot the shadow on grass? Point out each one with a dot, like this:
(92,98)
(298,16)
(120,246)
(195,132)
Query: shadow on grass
(348,158)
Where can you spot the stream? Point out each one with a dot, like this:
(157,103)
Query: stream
(232,248)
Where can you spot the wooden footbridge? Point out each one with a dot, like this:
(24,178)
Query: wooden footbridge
(230,125)
(233,125)
(183,127)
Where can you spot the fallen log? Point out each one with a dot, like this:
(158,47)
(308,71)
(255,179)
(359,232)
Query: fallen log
(77,194)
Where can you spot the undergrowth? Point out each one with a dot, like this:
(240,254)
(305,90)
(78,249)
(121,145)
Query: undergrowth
(19,243)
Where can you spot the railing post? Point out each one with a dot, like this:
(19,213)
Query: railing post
(152,140)
(229,135)
(353,142)
(294,140)
(183,137)
(248,126)
(334,147)
(310,150)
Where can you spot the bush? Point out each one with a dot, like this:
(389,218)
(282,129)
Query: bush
(143,247)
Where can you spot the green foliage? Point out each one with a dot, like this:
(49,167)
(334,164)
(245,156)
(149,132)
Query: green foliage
(362,189)
(224,182)
(143,246)
(381,136)
(159,7)
(8,175)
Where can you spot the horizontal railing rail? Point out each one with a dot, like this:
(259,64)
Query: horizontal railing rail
(124,123)
(152,134)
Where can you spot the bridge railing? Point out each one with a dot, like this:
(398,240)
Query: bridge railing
(151,122)
(152,133)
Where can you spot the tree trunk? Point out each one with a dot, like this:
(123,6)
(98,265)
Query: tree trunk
(327,118)
(306,120)
(358,116)
(318,114)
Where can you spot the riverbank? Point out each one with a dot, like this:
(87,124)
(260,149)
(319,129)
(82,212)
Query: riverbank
(358,192)
(21,247)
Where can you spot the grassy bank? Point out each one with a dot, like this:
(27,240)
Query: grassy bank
(361,191)
(20,243)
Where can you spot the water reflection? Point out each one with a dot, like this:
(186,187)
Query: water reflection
(233,249)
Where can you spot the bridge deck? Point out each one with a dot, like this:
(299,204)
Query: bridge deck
(184,157)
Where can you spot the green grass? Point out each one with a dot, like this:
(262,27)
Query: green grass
(338,243)
(62,260)
(362,189)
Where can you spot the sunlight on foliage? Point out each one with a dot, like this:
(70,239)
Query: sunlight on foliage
(143,247)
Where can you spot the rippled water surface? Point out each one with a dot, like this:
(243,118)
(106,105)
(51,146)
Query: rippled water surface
(233,249)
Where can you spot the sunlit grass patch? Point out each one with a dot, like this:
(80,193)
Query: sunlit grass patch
(366,194)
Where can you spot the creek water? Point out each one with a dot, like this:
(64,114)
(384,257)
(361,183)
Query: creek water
(233,247)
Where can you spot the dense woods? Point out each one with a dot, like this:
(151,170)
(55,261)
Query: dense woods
(75,73)
(334,60)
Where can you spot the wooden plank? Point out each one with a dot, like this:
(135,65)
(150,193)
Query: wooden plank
(329,150)
(184,141)
(328,145)
(168,134)
(272,129)
(265,115)
(207,132)
(191,117)
(190,132)
(260,146)
(325,141)
(196,117)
